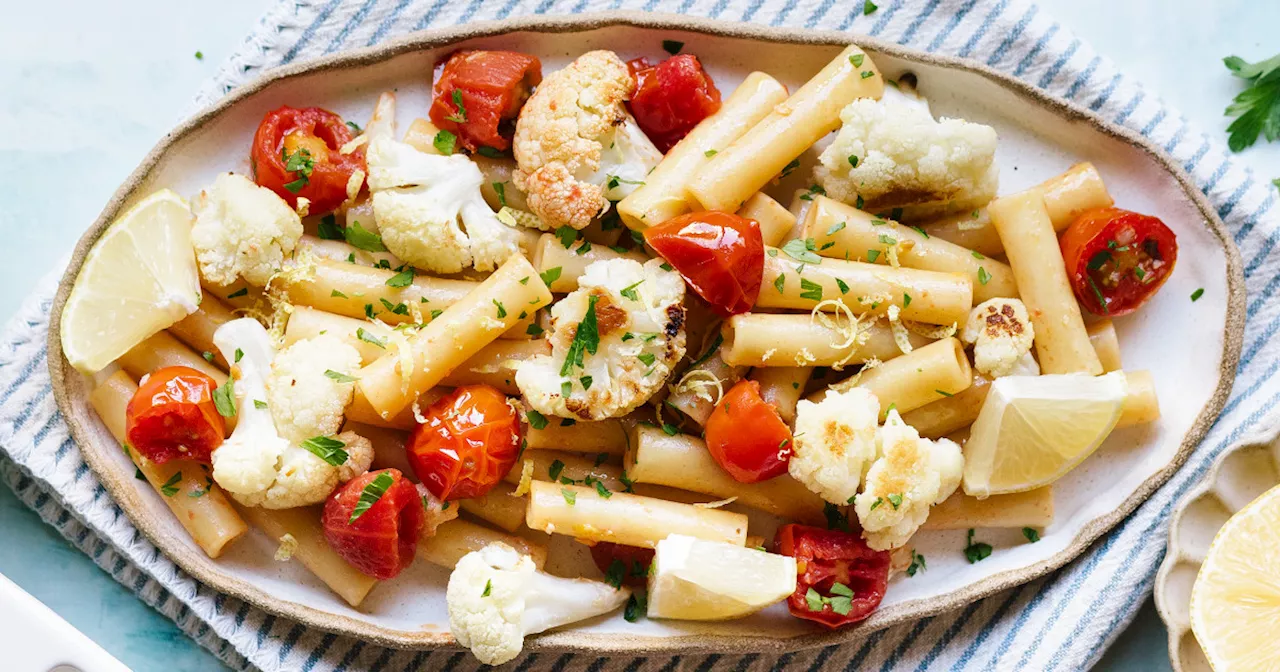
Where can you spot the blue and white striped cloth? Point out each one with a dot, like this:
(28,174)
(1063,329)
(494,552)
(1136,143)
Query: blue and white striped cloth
(1061,622)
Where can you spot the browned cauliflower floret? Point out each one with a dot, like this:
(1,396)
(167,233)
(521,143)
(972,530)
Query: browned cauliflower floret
(576,147)
(1001,333)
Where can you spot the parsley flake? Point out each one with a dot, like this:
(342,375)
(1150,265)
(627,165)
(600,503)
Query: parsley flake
(370,495)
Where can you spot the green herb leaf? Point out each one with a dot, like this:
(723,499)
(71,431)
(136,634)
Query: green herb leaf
(489,153)
(868,7)
(836,228)
(670,429)
(170,487)
(208,356)
(802,250)
(488,585)
(836,520)
(243,291)
(338,376)
(445,142)
(872,255)
(402,279)
(328,449)
(370,338)
(536,419)
(1195,296)
(502,312)
(551,275)
(329,229)
(710,153)
(337,295)
(672,47)
(603,491)
(906,300)
(976,551)
(790,168)
(635,607)
(371,494)
(983,276)
(1031,535)
(856,60)
(647,358)
(570,497)
(917,563)
(501,189)
(780,282)
(896,500)
(711,350)
(630,291)
(586,339)
(224,398)
(363,239)
(567,234)
(460,114)
(812,290)
(616,573)
(586,382)
(1257,108)
(533,330)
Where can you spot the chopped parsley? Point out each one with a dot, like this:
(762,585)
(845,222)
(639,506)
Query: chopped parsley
(501,189)
(555,469)
(710,153)
(906,300)
(586,385)
(570,497)
(586,338)
(856,60)
(329,229)
(488,585)
(460,114)
(328,449)
(335,294)
(672,47)
(338,376)
(402,279)
(836,520)
(841,601)
(301,165)
(1031,535)
(1195,296)
(636,605)
(917,563)
(170,487)
(533,330)
(780,282)
(602,491)
(872,255)
(567,234)
(835,228)
(259,404)
(488,152)
(224,398)
(715,345)
(445,142)
(363,239)
(370,495)
(208,356)
(550,275)
(977,255)
(502,311)
(670,429)
(896,500)
(976,550)
(811,290)
(802,250)
(844,289)
(630,291)
(1257,108)
(790,168)
(370,338)
(243,291)
(536,419)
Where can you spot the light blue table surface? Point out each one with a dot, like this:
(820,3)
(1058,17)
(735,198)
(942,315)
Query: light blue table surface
(90,87)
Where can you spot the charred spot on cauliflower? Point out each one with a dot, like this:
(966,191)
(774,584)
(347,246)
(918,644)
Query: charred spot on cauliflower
(576,146)
(1001,333)
(242,230)
(834,442)
(429,208)
(614,341)
(909,476)
(892,154)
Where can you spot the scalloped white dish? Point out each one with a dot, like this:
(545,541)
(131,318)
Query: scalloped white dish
(1239,475)
(1039,137)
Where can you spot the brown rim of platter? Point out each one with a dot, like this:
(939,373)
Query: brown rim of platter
(205,570)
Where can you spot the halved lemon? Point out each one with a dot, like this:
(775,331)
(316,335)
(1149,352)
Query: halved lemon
(698,580)
(138,278)
(1034,429)
(1235,601)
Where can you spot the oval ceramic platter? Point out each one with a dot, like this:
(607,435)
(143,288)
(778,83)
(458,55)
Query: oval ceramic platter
(1241,474)
(1039,137)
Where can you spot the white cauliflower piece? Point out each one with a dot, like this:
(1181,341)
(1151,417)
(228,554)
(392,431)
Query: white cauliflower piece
(834,443)
(496,596)
(304,400)
(639,320)
(421,203)
(257,465)
(576,146)
(907,160)
(1001,333)
(242,230)
(909,475)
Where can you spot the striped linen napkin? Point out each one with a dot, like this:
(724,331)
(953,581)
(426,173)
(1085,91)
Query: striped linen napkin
(1063,621)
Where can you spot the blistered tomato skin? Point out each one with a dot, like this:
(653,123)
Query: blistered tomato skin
(306,140)
(633,562)
(384,539)
(825,558)
(469,441)
(478,94)
(720,255)
(671,98)
(172,416)
(1117,259)
(746,436)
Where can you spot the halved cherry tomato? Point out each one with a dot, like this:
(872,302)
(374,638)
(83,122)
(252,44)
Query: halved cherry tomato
(468,443)
(383,537)
(825,558)
(295,154)
(478,94)
(747,437)
(172,416)
(720,255)
(1116,259)
(627,564)
(671,98)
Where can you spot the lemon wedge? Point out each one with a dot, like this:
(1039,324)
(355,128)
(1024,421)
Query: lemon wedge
(1034,429)
(1235,601)
(698,580)
(138,278)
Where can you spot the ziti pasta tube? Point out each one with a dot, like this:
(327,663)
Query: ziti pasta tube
(1065,197)
(948,414)
(663,194)
(593,438)
(459,537)
(1102,336)
(196,329)
(312,550)
(560,266)
(782,387)
(841,231)
(1033,508)
(1062,344)
(339,251)
(498,507)
(184,486)
(698,390)
(161,350)
(775,220)
(458,333)
(935,371)
(683,462)
(631,520)
(750,162)
(922,296)
(782,340)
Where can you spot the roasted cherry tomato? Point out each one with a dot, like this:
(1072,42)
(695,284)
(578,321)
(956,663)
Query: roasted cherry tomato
(373,521)
(626,565)
(671,98)
(747,437)
(1116,259)
(847,578)
(468,443)
(172,416)
(295,154)
(479,93)
(720,255)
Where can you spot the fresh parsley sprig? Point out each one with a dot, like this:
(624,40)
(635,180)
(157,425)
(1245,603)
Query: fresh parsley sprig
(1257,108)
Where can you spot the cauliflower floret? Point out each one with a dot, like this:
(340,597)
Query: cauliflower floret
(1001,334)
(834,443)
(242,230)
(576,146)
(907,160)
(910,475)
(496,596)
(257,465)
(304,399)
(638,316)
(422,201)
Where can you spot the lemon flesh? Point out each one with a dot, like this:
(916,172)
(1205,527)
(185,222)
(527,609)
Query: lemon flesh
(698,580)
(1235,601)
(1032,430)
(138,278)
